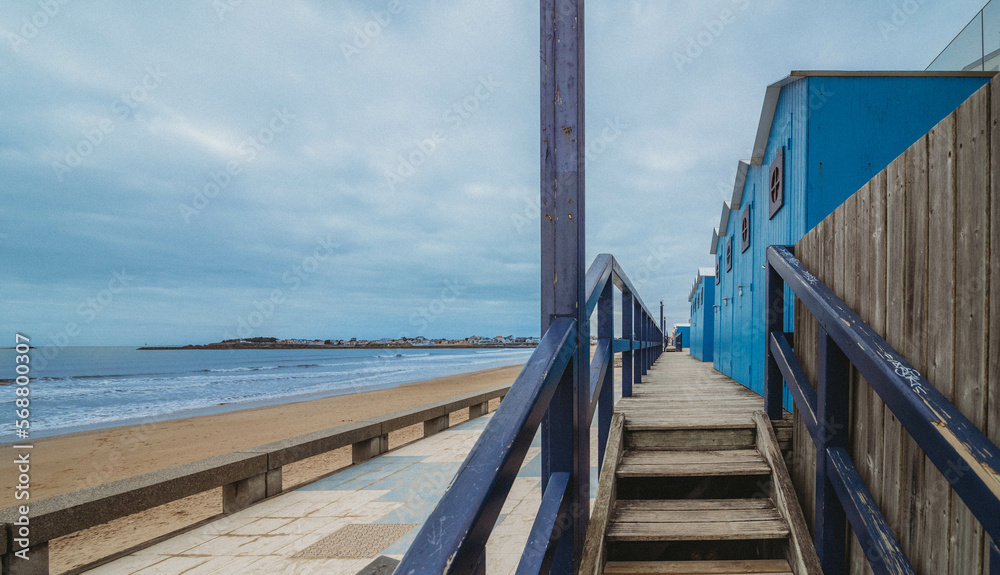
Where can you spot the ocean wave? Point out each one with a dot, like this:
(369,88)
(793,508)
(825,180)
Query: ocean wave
(118,398)
(236,369)
(497,351)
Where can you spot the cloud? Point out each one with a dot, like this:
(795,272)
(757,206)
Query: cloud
(367,92)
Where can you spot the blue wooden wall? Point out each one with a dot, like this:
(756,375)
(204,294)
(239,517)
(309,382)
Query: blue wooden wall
(857,125)
(685,333)
(703,319)
(838,132)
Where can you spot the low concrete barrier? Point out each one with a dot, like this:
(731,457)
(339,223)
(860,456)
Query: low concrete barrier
(246,477)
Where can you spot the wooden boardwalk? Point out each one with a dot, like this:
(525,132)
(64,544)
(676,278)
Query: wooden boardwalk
(694,482)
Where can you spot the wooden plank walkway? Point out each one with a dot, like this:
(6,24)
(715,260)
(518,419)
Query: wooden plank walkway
(685,399)
(694,482)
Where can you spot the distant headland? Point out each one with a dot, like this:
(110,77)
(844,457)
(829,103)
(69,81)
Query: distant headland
(354,343)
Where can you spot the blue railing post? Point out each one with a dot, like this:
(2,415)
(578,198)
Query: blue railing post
(566,427)
(627,335)
(642,343)
(651,342)
(833,393)
(606,401)
(640,336)
(775,323)
(994,559)
(480,568)
(646,338)
(637,320)
(650,337)
(643,336)
(659,332)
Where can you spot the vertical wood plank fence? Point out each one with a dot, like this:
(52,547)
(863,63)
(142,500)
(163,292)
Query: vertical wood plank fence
(911,253)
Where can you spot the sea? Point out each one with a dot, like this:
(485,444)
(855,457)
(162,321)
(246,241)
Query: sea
(82,388)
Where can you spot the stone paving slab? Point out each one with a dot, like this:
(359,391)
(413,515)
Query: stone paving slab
(342,523)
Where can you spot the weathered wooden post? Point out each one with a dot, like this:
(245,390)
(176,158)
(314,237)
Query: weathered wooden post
(566,427)
(606,403)
(833,392)
(627,335)
(660,331)
(637,326)
(774,322)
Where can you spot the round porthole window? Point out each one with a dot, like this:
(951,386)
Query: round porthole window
(776,183)
(745,230)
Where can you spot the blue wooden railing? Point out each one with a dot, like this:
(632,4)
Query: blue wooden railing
(453,539)
(968,460)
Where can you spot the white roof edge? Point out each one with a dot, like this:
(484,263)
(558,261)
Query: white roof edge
(715,241)
(767,115)
(702,273)
(892,73)
(724,219)
(741,180)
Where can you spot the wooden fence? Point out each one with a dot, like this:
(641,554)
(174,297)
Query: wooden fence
(911,253)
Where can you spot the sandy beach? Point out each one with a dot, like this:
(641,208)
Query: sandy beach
(66,463)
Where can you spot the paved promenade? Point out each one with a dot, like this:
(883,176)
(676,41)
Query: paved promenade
(341,523)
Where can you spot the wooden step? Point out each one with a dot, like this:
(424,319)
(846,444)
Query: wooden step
(692,463)
(690,439)
(747,567)
(696,520)
(690,436)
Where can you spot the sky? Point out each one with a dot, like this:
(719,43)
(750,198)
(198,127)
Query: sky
(196,170)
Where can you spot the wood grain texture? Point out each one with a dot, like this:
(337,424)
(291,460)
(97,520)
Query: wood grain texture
(801,555)
(802,461)
(895,254)
(593,558)
(859,386)
(915,253)
(971,221)
(717,520)
(876,310)
(747,567)
(993,358)
(692,463)
(935,523)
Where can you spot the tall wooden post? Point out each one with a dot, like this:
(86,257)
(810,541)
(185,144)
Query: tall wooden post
(565,429)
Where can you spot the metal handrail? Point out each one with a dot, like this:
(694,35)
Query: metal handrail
(967,457)
(453,538)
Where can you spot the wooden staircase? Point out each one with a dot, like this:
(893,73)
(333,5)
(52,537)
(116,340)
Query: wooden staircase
(681,497)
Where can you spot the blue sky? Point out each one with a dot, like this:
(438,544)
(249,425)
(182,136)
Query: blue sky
(188,171)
